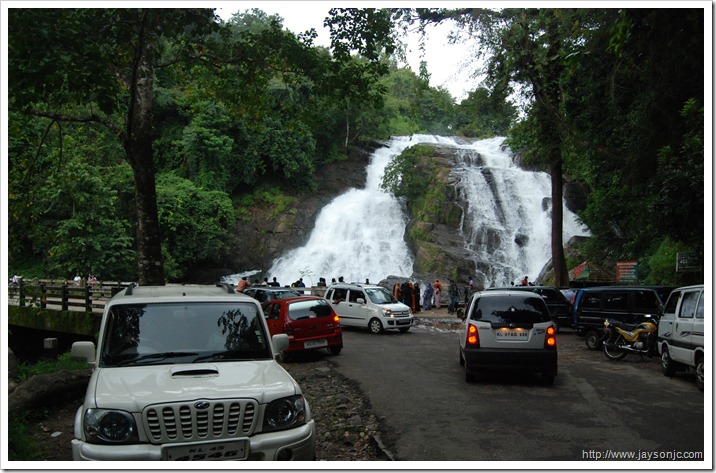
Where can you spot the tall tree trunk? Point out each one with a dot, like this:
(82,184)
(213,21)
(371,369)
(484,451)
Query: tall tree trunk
(559,265)
(138,145)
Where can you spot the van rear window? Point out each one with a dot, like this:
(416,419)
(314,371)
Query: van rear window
(508,309)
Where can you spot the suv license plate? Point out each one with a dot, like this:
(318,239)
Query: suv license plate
(222,450)
(505,334)
(315,343)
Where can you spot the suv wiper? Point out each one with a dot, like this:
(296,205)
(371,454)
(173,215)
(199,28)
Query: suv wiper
(231,354)
(157,356)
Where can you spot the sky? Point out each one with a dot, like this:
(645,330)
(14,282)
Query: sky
(449,66)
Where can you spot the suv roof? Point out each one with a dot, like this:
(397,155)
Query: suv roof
(143,294)
(348,285)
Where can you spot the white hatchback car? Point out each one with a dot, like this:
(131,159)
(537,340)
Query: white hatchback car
(508,330)
(189,373)
(368,305)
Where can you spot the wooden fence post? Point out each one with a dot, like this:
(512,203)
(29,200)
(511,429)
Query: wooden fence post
(65,297)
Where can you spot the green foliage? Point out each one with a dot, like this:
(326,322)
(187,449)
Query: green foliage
(63,362)
(662,264)
(197,223)
(20,444)
(484,114)
(401,176)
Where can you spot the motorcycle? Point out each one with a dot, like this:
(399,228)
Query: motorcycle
(620,339)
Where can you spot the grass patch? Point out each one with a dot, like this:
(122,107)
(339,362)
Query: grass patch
(63,362)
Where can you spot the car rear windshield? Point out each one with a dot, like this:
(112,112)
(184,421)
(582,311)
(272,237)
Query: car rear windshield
(182,332)
(507,310)
(312,309)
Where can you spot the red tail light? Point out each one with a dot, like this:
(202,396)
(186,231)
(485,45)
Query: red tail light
(473,339)
(550,341)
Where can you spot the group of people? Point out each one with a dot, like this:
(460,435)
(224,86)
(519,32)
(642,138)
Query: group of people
(409,294)
(244,283)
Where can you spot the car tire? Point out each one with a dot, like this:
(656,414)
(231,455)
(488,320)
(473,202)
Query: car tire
(700,372)
(593,340)
(667,364)
(375,326)
(335,350)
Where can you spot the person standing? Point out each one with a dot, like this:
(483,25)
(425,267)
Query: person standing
(454,297)
(428,297)
(437,289)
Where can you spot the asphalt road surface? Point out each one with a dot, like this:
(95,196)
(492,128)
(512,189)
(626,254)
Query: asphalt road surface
(596,408)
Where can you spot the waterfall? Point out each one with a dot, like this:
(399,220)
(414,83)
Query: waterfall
(506,222)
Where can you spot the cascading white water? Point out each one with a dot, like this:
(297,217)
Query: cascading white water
(360,234)
(507,222)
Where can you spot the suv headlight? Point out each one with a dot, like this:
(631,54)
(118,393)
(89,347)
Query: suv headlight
(110,426)
(285,413)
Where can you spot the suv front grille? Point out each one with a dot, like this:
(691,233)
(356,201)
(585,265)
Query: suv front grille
(185,422)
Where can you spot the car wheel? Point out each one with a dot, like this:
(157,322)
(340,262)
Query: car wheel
(375,326)
(667,365)
(700,372)
(592,340)
(335,350)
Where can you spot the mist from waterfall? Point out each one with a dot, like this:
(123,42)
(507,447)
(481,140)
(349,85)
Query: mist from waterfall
(506,222)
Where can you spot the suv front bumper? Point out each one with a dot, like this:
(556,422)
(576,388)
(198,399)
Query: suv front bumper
(301,441)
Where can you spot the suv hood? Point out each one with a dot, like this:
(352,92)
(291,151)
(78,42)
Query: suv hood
(133,388)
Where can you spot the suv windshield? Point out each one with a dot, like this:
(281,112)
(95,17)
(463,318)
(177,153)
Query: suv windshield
(181,333)
(380,295)
(510,310)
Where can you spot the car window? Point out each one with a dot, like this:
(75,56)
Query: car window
(338,295)
(380,295)
(285,294)
(510,310)
(672,302)
(312,309)
(688,304)
(354,295)
(645,301)
(700,308)
(195,328)
(274,311)
(616,301)
(553,297)
(590,300)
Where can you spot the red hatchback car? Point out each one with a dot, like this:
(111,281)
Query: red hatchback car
(309,322)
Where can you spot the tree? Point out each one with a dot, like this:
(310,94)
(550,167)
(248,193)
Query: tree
(51,76)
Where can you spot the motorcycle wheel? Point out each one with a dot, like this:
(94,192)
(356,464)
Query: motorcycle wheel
(611,349)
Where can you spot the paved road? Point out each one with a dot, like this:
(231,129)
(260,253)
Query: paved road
(595,407)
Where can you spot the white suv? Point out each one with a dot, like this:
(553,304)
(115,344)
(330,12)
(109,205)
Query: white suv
(681,332)
(508,330)
(367,305)
(189,373)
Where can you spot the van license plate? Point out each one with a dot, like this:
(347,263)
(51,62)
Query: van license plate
(511,335)
(222,450)
(315,343)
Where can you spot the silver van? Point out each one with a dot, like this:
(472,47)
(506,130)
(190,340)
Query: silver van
(681,332)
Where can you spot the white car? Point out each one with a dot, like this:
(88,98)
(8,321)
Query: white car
(681,332)
(508,330)
(189,373)
(368,305)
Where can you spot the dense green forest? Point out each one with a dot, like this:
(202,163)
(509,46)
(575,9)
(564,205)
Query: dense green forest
(131,157)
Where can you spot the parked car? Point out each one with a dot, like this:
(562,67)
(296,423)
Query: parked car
(626,304)
(508,330)
(368,305)
(681,333)
(559,306)
(189,373)
(267,294)
(309,322)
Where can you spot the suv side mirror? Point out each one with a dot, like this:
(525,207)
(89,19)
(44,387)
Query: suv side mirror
(84,351)
(279,342)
